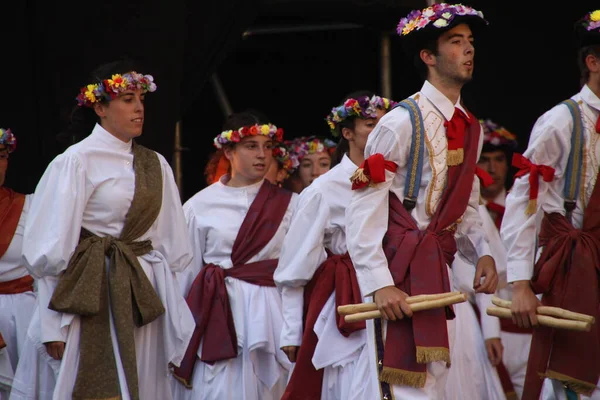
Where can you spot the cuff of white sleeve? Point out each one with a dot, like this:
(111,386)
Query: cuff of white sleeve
(54,336)
(484,249)
(292,299)
(490,326)
(371,280)
(519,270)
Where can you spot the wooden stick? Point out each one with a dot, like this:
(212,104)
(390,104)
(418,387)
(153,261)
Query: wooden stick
(419,306)
(364,307)
(551,311)
(544,320)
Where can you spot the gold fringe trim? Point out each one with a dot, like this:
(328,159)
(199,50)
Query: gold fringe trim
(395,376)
(185,383)
(455,157)
(576,385)
(531,207)
(425,355)
(511,396)
(359,176)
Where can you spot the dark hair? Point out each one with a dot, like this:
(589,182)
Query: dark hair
(343,146)
(582,53)
(82,119)
(430,44)
(244,118)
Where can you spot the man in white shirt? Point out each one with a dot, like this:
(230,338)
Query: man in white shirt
(554,206)
(418,228)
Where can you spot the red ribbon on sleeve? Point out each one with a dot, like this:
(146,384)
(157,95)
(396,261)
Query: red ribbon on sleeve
(534,170)
(372,171)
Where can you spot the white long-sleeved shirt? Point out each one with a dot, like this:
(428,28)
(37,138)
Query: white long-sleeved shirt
(368,212)
(550,144)
(318,223)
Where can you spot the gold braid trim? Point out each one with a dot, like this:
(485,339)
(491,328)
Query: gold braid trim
(184,382)
(395,376)
(425,355)
(576,385)
(455,157)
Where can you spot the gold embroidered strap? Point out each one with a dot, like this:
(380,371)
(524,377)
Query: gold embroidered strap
(87,290)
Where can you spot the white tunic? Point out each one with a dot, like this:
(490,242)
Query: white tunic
(319,223)
(15,309)
(214,217)
(91,186)
(367,215)
(550,144)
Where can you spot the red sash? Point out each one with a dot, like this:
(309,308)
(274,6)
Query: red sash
(567,275)
(16,286)
(208,299)
(336,273)
(11,207)
(420,268)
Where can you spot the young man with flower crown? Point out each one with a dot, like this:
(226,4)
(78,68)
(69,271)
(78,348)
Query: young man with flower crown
(416,192)
(17,299)
(317,273)
(237,226)
(550,229)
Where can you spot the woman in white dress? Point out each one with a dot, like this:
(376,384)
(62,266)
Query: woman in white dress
(237,226)
(105,234)
(17,298)
(316,275)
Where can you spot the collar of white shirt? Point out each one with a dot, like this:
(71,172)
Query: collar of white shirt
(589,97)
(440,101)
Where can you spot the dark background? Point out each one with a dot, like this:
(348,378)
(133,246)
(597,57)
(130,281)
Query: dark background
(297,59)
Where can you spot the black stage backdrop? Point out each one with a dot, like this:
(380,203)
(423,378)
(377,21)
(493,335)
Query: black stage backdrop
(297,59)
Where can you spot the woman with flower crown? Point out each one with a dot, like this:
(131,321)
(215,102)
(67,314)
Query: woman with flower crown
(237,226)
(105,235)
(17,298)
(316,272)
(311,158)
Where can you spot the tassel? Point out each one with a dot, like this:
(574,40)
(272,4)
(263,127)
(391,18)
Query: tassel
(576,385)
(425,355)
(455,157)
(359,176)
(395,376)
(511,396)
(531,207)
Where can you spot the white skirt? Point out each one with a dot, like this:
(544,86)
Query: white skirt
(260,371)
(16,311)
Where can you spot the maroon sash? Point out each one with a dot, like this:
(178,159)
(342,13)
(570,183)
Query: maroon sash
(336,273)
(420,268)
(208,299)
(567,275)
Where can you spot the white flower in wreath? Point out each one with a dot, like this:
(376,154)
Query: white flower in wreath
(447,15)
(495,141)
(428,13)
(440,23)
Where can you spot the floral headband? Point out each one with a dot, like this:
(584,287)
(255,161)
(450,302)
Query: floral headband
(591,21)
(440,15)
(496,135)
(282,155)
(235,136)
(303,146)
(109,89)
(8,139)
(363,107)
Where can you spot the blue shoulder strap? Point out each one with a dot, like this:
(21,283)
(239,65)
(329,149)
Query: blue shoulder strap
(575,163)
(417,153)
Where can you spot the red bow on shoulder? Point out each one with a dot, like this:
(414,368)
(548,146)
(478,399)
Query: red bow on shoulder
(534,170)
